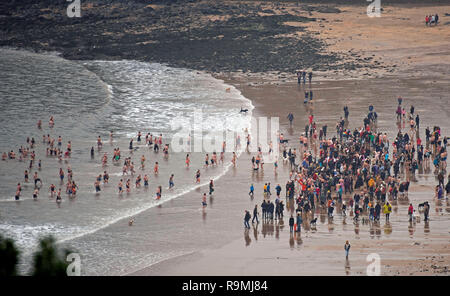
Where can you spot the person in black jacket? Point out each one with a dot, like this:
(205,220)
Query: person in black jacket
(255,214)
(291,224)
(246,219)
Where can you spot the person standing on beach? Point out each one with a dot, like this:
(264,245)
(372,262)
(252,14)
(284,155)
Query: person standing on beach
(347,249)
(426,211)
(197,176)
(291,224)
(387,209)
(310,76)
(211,187)
(246,219)
(410,212)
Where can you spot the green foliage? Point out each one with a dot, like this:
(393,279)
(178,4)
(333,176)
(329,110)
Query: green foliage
(9,257)
(48,261)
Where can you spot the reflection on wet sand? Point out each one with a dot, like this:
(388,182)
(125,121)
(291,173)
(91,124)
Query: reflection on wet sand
(347,266)
(247,237)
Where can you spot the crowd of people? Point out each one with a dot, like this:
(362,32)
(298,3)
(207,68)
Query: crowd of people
(431,19)
(357,172)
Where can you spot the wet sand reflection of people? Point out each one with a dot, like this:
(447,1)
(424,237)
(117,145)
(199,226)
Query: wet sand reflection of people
(277,230)
(357,229)
(247,237)
(255,231)
(411,228)
(347,266)
(371,230)
(291,240)
(204,214)
(426,227)
(387,228)
(330,225)
(377,229)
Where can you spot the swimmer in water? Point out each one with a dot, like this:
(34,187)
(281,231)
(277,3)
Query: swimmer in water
(204,204)
(158,192)
(146,181)
(211,187)
(188,160)
(36,179)
(171,184)
(156,168)
(35,193)
(127,185)
(52,190)
(58,196)
(39,124)
(138,181)
(104,159)
(105,177)
(233,160)
(97,186)
(120,186)
(51,122)
(197,176)
(142,162)
(139,137)
(99,143)
(206,160)
(26,176)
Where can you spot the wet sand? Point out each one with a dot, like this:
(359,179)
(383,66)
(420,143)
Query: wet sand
(404,248)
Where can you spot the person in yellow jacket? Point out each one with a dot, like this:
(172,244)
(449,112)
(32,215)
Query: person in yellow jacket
(387,209)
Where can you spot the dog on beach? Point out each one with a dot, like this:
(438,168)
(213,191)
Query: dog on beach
(243,111)
(130,223)
(228,90)
(313,222)
(421,206)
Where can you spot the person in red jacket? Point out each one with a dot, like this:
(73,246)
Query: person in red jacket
(410,212)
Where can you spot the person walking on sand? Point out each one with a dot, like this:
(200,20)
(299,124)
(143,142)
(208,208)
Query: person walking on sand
(347,249)
(252,190)
(255,215)
(291,118)
(246,219)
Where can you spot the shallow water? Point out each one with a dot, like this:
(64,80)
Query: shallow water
(87,100)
